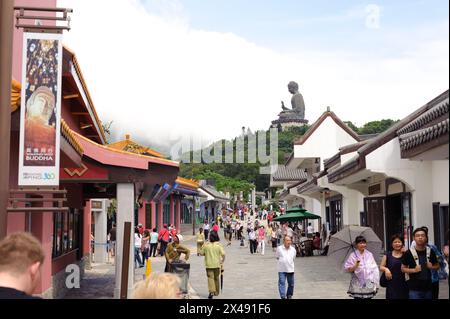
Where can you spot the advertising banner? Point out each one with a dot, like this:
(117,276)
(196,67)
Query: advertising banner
(40,110)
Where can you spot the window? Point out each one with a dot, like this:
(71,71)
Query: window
(66,237)
(166,212)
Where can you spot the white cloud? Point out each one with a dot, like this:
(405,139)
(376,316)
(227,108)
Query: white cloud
(158,78)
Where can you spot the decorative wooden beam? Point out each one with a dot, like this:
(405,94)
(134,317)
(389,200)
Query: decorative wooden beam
(80,113)
(70,96)
(84,126)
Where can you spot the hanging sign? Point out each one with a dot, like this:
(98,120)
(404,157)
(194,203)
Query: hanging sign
(40,112)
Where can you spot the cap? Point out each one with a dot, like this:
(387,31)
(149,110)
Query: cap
(165,225)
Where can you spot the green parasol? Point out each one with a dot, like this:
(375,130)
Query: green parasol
(295,214)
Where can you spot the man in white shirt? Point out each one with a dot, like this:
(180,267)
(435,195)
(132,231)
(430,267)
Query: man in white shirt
(286,255)
(310,229)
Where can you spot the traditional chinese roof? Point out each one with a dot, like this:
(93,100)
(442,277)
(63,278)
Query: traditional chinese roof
(68,134)
(319,121)
(70,55)
(129,145)
(110,156)
(214,193)
(426,124)
(187,182)
(286,174)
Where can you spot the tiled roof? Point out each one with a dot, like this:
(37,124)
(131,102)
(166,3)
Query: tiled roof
(187,182)
(421,136)
(285,174)
(432,114)
(213,192)
(70,137)
(130,146)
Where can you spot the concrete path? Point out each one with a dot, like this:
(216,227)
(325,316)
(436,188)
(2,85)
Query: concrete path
(246,276)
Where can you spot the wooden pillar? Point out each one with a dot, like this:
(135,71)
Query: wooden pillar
(172,211)
(6,42)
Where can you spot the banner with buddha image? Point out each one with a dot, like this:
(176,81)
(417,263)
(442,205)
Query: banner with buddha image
(40,110)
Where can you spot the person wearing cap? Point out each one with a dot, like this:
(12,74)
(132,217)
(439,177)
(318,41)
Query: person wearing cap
(173,232)
(174,251)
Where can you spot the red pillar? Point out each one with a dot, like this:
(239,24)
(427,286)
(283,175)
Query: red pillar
(178,218)
(172,212)
(153,215)
(160,215)
(86,228)
(42,229)
(141,214)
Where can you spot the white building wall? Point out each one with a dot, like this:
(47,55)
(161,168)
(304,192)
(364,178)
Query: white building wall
(324,142)
(440,181)
(418,175)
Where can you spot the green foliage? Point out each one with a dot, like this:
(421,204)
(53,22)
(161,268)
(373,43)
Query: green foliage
(245,172)
(227,184)
(375,127)
(352,126)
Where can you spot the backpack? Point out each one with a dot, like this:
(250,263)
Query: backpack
(416,258)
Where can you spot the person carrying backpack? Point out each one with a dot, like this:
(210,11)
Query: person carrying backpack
(417,264)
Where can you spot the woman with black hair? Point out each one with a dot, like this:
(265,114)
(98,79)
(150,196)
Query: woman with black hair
(396,287)
(365,274)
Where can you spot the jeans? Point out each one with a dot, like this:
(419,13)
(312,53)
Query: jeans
(206,232)
(153,248)
(163,247)
(420,294)
(282,276)
(137,256)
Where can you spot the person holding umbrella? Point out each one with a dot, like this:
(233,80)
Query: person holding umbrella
(214,259)
(364,269)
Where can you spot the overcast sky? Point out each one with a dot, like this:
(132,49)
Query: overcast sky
(161,69)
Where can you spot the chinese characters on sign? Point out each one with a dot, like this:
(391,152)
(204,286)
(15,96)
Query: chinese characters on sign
(40,110)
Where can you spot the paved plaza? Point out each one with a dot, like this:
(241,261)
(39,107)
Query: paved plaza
(246,276)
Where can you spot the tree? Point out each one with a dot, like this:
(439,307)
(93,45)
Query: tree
(352,126)
(376,127)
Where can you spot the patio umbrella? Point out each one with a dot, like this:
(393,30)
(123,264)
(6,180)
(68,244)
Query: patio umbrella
(342,244)
(295,214)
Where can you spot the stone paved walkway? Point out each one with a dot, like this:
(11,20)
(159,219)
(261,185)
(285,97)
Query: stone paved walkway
(246,276)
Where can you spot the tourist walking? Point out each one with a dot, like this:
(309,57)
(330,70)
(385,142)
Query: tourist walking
(365,274)
(396,287)
(112,240)
(206,229)
(252,241)
(153,243)
(214,259)
(163,238)
(145,246)
(200,240)
(417,264)
(137,248)
(286,255)
(261,240)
